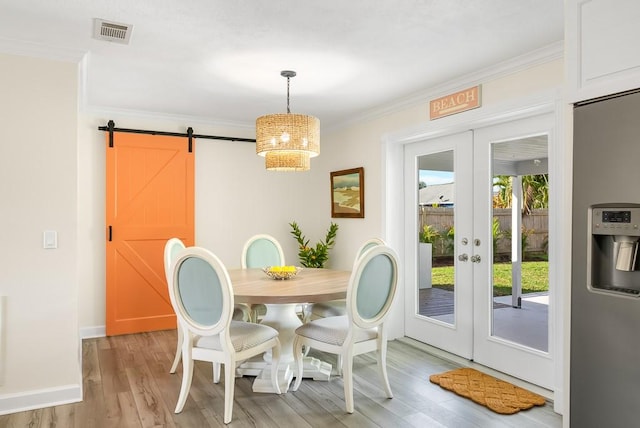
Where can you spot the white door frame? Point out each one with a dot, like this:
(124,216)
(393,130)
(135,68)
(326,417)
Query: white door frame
(560,172)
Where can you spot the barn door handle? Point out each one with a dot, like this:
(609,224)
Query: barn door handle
(110,233)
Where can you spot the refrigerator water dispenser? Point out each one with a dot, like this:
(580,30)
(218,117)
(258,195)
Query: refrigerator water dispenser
(612,249)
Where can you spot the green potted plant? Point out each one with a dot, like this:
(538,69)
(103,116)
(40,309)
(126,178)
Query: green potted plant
(314,257)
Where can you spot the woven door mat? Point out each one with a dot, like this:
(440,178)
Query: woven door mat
(497,395)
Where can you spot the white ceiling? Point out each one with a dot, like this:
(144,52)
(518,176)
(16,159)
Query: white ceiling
(220,60)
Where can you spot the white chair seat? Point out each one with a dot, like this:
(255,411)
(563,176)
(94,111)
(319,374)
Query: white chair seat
(243,336)
(334,330)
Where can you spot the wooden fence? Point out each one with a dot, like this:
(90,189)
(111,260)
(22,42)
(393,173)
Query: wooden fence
(535,229)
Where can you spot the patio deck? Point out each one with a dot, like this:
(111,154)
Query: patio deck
(528,325)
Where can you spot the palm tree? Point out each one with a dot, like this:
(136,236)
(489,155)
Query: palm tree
(502,199)
(535,189)
(535,192)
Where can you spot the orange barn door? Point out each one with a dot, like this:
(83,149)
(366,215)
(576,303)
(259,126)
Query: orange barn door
(150,198)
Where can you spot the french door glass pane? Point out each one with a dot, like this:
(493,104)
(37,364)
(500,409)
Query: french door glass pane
(436,243)
(520,234)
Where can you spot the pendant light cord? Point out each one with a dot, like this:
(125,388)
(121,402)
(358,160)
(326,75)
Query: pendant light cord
(288,74)
(288,110)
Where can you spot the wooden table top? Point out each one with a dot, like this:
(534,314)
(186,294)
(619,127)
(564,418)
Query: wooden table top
(309,285)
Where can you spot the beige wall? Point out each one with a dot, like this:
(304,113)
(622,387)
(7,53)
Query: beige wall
(39,179)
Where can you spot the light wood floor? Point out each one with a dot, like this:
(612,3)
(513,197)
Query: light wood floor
(127,384)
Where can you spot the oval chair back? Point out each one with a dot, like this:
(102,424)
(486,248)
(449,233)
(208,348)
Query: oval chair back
(372,287)
(262,251)
(338,307)
(201,292)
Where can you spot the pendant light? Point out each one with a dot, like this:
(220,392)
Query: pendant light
(287,141)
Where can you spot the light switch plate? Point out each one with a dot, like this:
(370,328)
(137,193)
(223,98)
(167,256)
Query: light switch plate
(50,239)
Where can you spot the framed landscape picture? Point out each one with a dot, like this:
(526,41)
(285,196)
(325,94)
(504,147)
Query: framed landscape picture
(347,193)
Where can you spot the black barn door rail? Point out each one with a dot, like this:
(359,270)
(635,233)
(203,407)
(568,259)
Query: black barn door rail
(189,134)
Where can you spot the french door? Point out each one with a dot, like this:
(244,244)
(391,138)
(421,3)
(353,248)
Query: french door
(446,165)
(461,238)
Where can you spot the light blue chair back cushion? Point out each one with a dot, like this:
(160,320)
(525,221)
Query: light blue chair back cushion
(200,291)
(374,288)
(262,253)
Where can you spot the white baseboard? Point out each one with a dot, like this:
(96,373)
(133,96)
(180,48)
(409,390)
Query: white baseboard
(37,399)
(91,332)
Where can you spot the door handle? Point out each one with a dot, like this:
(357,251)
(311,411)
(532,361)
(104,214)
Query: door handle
(475,258)
(463,257)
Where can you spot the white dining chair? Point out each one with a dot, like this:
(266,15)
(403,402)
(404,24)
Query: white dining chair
(172,247)
(261,251)
(202,297)
(370,293)
(337,307)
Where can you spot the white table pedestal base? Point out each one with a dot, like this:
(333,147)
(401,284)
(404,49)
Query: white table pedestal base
(283,318)
(313,368)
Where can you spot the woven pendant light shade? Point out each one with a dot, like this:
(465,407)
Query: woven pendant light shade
(285,135)
(287,141)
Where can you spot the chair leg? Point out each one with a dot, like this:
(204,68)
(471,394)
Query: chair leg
(275,360)
(382,366)
(216,372)
(176,359)
(347,379)
(187,377)
(339,365)
(229,385)
(297,353)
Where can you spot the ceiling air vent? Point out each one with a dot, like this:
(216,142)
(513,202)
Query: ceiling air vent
(111,31)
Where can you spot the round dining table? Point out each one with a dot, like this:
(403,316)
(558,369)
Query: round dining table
(281,297)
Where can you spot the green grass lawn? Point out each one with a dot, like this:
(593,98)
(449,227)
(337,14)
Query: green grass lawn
(535,277)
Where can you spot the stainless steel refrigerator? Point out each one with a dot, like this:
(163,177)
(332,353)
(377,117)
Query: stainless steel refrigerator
(605,288)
